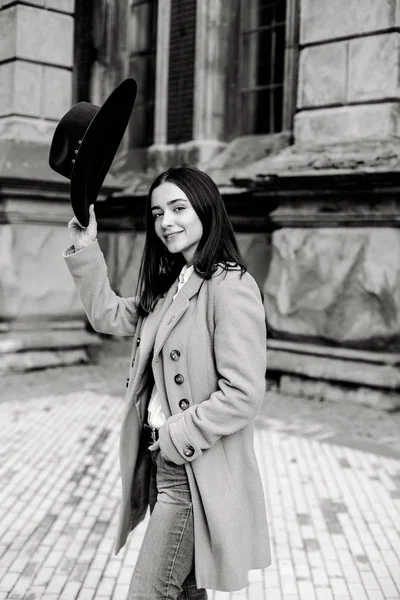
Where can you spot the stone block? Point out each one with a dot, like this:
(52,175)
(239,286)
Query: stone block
(339,285)
(6,88)
(21,88)
(326,390)
(27,129)
(35,284)
(326,20)
(27,88)
(67,6)
(57,92)
(35,34)
(45,36)
(39,3)
(44,359)
(8,33)
(323,74)
(374,67)
(347,123)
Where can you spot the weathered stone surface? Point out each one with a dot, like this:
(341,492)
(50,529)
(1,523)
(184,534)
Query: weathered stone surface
(348,123)
(44,36)
(335,369)
(57,92)
(8,33)
(374,67)
(37,35)
(340,285)
(349,156)
(27,88)
(67,6)
(46,339)
(326,390)
(39,3)
(27,129)
(20,91)
(324,20)
(35,284)
(241,151)
(323,75)
(19,362)
(6,88)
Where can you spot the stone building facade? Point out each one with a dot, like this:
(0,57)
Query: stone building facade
(291,105)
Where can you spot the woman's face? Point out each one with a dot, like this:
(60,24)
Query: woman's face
(175,220)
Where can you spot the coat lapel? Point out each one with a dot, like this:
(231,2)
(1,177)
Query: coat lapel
(151,325)
(176,309)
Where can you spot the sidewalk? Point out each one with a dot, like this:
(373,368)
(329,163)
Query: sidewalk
(334,509)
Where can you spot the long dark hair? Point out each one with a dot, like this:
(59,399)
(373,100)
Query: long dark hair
(217,246)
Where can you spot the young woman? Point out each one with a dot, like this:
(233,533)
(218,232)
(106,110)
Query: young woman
(196,383)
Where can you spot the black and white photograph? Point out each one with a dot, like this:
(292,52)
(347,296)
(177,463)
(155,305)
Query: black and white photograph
(200,300)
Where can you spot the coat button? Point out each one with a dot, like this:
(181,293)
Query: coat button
(127,381)
(138,342)
(179,379)
(188,451)
(175,354)
(184,404)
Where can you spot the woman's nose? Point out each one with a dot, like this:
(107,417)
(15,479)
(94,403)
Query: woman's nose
(166,220)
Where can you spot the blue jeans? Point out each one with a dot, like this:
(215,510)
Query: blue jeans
(165,566)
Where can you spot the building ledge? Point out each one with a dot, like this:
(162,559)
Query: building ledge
(305,161)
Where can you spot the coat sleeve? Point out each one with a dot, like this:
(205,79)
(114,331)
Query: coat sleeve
(241,356)
(107,312)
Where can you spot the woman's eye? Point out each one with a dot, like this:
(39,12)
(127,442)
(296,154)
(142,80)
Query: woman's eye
(179,208)
(156,215)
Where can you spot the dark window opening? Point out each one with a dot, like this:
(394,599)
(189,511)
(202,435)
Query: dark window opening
(142,40)
(262,45)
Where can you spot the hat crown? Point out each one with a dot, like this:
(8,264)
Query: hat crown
(86,141)
(68,137)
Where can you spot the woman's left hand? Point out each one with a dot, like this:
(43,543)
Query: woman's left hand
(155,446)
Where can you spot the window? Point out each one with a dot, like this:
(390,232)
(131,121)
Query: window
(266,96)
(141,43)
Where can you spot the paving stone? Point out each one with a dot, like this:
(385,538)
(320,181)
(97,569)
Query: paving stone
(332,507)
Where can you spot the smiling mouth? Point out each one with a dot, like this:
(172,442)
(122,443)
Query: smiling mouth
(172,235)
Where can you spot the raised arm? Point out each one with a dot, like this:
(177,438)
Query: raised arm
(107,312)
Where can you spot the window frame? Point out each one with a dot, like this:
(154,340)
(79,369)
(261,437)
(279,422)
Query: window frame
(151,54)
(290,67)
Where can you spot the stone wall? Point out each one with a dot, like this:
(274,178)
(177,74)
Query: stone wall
(349,65)
(337,286)
(36,55)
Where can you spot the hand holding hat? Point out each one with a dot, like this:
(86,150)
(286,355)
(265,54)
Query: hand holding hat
(82,237)
(85,142)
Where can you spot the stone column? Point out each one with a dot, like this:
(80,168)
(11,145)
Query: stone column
(41,319)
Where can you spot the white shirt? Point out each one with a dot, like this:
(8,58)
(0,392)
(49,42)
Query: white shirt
(156,416)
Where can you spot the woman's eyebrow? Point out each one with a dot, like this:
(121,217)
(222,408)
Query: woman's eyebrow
(170,202)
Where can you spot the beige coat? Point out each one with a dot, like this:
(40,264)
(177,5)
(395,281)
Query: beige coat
(218,327)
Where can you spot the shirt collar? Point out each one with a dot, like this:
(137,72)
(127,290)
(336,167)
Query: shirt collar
(185,273)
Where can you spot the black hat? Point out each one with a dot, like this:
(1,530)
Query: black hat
(85,142)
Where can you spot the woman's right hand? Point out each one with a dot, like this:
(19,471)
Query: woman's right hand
(83,237)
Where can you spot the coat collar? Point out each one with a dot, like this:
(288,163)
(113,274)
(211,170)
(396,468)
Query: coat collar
(176,309)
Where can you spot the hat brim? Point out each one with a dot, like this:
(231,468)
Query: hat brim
(99,147)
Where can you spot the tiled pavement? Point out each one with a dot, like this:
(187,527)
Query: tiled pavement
(334,509)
